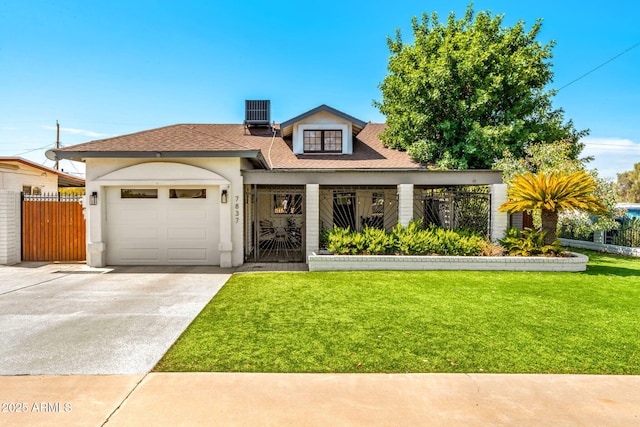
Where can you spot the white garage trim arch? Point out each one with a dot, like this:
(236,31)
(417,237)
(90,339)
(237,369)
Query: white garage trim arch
(159,174)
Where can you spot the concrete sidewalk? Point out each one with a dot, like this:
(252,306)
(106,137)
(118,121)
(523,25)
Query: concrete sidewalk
(230,399)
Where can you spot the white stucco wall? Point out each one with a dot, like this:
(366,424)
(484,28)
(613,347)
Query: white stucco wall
(231,214)
(323,121)
(14,175)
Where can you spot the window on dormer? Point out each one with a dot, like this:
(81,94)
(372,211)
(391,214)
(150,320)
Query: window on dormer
(322,141)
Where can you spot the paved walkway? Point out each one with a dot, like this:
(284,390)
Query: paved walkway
(262,267)
(228,399)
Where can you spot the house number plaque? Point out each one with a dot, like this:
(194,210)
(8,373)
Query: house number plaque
(236,208)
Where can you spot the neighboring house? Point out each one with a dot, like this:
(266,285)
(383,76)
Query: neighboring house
(224,194)
(21,175)
(632,209)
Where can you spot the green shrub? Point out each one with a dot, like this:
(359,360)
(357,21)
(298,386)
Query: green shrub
(372,241)
(324,238)
(378,241)
(339,241)
(410,240)
(529,242)
(449,242)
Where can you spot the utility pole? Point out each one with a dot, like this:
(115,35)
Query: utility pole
(57,140)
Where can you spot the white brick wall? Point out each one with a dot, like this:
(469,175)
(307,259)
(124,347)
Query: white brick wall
(601,247)
(312,206)
(10,223)
(499,220)
(405,204)
(394,262)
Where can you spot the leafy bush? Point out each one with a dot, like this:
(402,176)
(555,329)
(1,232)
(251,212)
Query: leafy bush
(416,240)
(378,241)
(339,241)
(529,242)
(372,241)
(410,240)
(324,238)
(580,225)
(450,242)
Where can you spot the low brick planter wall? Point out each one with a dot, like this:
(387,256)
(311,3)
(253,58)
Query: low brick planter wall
(574,263)
(602,247)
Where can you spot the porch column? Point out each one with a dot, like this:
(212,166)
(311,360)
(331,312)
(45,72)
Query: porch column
(598,237)
(499,220)
(96,225)
(225,247)
(312,220)
(405,204)
(10,224)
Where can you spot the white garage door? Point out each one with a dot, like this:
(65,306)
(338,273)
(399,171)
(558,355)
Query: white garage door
(162,226)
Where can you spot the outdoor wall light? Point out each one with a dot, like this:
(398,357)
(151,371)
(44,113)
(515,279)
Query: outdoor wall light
(223,196)
(93,198)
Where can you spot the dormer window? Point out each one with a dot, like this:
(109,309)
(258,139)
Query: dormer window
(322,141)
(323,130)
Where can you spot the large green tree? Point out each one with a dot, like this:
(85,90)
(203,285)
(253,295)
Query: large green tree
(464,92)
(629,185)
(541,157)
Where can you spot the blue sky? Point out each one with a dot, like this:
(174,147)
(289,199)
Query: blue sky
(110,68)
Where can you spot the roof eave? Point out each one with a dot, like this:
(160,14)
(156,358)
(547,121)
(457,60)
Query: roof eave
(79,155)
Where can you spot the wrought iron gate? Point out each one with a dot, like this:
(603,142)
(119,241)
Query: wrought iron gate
(275,224)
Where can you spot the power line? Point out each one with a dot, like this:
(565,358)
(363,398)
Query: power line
(599,66)
(35,149)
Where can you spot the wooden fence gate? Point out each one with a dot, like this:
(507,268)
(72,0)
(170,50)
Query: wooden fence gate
(53,228)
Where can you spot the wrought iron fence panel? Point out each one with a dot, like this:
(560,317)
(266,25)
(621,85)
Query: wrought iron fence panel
(52,197)
(627,235)
(358,207)
(567,233)
(454,207)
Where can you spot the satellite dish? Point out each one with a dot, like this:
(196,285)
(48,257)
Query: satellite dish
(51,155)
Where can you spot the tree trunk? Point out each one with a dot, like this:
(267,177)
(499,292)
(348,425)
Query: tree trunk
(550,225)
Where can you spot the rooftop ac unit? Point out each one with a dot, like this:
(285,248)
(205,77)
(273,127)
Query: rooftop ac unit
(257,113)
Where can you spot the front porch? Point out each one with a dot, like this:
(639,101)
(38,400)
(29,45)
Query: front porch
(285,223)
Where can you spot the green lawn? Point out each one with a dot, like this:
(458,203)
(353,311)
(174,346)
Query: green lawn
(440,321)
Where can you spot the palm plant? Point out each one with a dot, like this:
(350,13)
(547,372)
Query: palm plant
(551,194)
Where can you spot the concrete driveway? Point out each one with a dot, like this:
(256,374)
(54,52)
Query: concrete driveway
(72,319)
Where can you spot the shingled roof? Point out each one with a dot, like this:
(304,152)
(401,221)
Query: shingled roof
(265,146)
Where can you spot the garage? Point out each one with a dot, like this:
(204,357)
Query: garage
(162,225)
